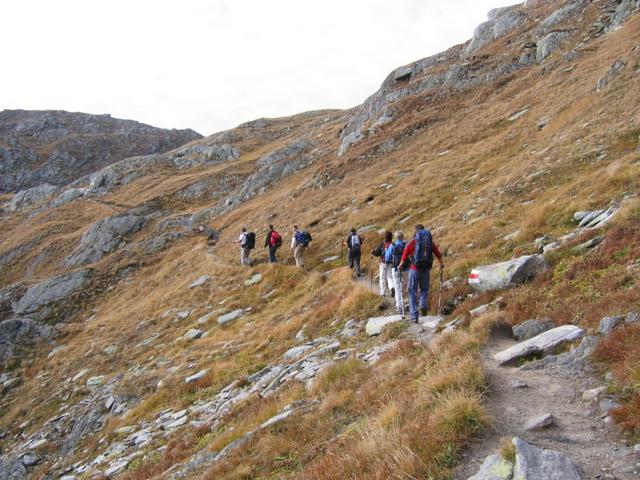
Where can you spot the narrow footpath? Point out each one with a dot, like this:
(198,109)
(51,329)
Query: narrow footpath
(516,395)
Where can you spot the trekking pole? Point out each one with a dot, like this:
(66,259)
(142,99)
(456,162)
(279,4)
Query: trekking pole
(371,273)
(440,291)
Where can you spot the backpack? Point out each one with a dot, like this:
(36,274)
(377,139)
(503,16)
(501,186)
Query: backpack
(354,243)
(388,254)
(423,254)
(398,250)
(276,238)
(378,251)
(250,241)
(303,239)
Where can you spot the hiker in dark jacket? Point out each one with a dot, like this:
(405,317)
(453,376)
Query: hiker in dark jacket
(273,242)
(419,252)
(354,246)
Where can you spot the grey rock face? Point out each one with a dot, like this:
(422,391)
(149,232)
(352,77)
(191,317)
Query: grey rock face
(560,15)
(616,69)
(275,166)
(505,274)
(544,343)
(550,43)
(59,147)
(536,463)
(31,196)
(349,140)
(608,324)
(532,328)
(12,468)
(624,10)
(501,21)
(39,300)
(104,237)
(18,332)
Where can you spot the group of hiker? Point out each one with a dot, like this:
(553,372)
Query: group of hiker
(403,266)
(299,242)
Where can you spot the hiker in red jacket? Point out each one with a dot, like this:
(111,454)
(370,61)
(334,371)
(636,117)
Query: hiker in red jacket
(420,252)
(273,242)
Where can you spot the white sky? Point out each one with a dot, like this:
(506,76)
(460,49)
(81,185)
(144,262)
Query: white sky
(209,65)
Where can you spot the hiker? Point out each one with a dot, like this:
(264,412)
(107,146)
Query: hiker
(399,272)
(354,247)
(247,241)
(273,242)
(386,261)
(419,252)
(299,243)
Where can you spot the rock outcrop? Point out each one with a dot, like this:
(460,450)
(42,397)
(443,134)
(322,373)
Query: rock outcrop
(104,237)
(47,299)
(19,332)
(58,147)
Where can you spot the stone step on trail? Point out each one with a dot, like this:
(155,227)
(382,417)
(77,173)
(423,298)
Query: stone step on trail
(376,324)
(542,344)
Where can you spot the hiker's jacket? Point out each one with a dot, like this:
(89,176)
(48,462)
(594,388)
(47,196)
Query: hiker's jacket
(410,249)
(350,242)
(270,241)
(242,239)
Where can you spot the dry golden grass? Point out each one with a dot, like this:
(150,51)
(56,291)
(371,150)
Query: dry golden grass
(416,407)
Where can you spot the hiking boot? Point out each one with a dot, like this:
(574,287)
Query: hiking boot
(414,320)
(393,293)
(423,311)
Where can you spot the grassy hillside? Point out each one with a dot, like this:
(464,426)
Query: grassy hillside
(487,181)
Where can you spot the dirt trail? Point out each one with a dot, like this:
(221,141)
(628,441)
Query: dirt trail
(578,431)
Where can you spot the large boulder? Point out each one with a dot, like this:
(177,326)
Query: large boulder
(103,237)
(40,301)
(505,274)
(494,467)
(533,463)
(19,332)
(12,468)
(542,344)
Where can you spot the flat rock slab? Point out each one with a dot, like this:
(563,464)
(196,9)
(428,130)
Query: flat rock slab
(200,281)
(544,343)
(231,316)
(537,463)
(257,278)
(376,324)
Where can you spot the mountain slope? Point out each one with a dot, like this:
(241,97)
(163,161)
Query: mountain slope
(495,144)
(58,147)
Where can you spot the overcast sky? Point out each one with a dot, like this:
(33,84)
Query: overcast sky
(209,65)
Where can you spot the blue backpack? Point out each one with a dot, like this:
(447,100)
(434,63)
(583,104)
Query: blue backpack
(423,255)
(389,254)
(398,249)
(303,238)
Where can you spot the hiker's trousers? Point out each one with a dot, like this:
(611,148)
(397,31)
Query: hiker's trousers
(399,282)
(354,260)
(418,286)
(272,254)
(298,255)
(245,257)
(386,279)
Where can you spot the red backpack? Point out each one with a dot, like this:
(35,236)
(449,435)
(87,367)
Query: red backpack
(276,239)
